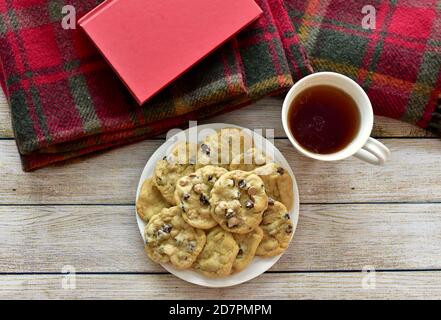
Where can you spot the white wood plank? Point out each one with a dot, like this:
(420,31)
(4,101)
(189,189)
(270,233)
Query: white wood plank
(412,174)
(390,285)
(263,114)
(387,127)
(328,237)
(266,113)
(5,118)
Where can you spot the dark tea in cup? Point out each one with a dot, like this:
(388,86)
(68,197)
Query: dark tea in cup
(323,119)
(327,116)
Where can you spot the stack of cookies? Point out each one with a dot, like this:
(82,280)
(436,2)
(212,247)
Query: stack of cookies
(214,206)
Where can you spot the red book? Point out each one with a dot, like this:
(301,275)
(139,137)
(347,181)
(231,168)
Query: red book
(149,43)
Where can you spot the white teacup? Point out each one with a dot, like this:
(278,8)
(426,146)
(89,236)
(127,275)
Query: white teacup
(362,146)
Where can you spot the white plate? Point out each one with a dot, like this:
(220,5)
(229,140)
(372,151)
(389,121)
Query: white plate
(258,265)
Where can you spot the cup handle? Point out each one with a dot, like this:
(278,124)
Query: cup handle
(373,152)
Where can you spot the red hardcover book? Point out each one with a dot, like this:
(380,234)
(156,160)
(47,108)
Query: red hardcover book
(149,43)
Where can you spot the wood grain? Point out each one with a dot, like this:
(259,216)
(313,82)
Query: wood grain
(5,118)
(328,237)
(353,215)
(263,114)
(388,285)
(412,174)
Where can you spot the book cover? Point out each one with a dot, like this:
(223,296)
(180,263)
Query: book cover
(149,43)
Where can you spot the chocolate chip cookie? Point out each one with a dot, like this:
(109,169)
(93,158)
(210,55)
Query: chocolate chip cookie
(248,244)
(168,238)
(278,183)
(277,230)
(218,255)
(220,148)
(238,200)
(193,193)
(150,201)
(249,160)
(180,162)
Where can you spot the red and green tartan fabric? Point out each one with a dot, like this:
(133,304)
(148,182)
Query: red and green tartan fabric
(64,97)
(66,101)
(398,63)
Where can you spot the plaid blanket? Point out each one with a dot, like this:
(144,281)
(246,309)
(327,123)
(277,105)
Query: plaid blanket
(66,101)
(398,63)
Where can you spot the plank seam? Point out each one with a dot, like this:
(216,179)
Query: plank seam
(268,272)
(286,138)
(133,204)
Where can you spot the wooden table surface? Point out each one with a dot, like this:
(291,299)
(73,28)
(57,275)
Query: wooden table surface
(79,217)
